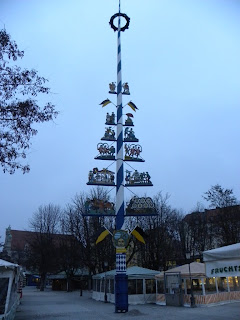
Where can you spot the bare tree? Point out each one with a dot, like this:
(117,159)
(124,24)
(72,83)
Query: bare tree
(43,248)
(226,216)
(19,111)
(163,242)
(87,229)
(197,233)
(70,258)
(218,197)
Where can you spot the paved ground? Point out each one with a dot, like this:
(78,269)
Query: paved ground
(53,305)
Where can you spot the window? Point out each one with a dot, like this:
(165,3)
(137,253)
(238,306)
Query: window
(139,286)
(98,285)
(112,285)
(94,284)
(234,283)
(150,286)
(222,284)
(210,286)
(160,286)
(3,290)
(135,286)
(102,285)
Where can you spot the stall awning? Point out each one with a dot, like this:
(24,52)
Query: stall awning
(132,272)
(227,252)
(7,265)
(223,262)
(197,270)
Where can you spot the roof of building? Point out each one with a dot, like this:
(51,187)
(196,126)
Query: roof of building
(209,214)
(21,238)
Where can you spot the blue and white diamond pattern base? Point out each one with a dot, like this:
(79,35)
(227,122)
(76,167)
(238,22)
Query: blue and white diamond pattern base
(121,263)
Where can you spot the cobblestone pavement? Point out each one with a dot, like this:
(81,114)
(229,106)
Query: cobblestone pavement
(54,305)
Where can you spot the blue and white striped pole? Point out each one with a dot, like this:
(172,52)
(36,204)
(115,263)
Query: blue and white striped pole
(120,257)
(121,279)
(119,166)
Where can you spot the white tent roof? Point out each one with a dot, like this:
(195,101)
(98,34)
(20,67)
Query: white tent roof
(62,275)
(7,265)
(227,252)
(132,272)
(197,270)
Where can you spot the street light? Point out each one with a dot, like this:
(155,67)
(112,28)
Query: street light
(192,299)
(105,283)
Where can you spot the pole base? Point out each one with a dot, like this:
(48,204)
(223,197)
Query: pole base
(121,293)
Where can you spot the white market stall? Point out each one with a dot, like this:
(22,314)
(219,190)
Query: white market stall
(224,265)
(197,274)
(9,289)
(141,285)
(208,287)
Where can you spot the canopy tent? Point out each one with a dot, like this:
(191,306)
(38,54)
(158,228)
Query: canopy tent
(174,285)
(223,262)
(141,285)
(7,265)
(197,270)
(228,252)
(78,280)
(220,279)
(9,284)
(132,273)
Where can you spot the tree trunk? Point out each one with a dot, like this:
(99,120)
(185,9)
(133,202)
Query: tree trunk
(43,281)
(69,284)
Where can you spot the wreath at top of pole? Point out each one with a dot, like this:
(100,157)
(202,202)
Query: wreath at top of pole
(119,15)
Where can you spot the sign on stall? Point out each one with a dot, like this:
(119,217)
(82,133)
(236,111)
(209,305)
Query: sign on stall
(223,268)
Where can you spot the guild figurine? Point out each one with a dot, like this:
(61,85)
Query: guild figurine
(128,121)
(129,135)
(110,119)
(132,151)
(107,118)
(137,179)
(100,177)
(112,88)
(125,88)
(109,134)
(105,152)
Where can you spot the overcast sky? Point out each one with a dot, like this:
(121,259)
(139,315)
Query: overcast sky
(181,60)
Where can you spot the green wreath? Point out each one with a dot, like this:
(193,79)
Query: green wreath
(119,15)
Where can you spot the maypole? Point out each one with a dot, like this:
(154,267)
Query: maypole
(121,279)
(119,160)
(129,152)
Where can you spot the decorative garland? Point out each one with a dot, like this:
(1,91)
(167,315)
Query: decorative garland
(119,15)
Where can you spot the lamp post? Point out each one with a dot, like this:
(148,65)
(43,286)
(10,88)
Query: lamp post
(192,299)
(105,282)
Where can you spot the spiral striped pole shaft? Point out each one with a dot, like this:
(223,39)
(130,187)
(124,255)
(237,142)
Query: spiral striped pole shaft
(119,168)
(120,257)
(121,278)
